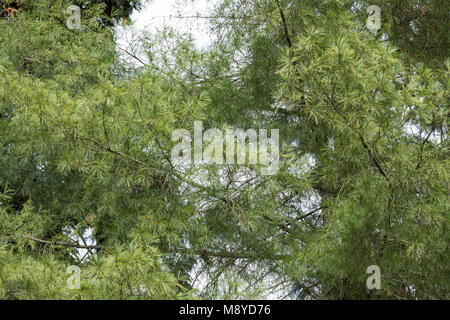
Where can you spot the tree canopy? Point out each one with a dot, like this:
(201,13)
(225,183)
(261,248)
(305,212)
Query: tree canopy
(86,176)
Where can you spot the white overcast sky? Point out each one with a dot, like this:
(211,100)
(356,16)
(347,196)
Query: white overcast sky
(157,13)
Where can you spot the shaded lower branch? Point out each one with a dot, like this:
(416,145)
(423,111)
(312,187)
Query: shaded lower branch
(60,243)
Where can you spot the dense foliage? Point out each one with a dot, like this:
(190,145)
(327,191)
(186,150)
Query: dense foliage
(86,176)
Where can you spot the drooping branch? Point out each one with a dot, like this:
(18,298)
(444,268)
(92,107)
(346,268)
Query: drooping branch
(60,243)
(230,255)
(203,252)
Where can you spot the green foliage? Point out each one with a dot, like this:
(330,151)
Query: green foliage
(86,177)
(111,10)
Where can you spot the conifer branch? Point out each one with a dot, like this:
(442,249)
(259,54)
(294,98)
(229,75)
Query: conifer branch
(60,243)
(283,19)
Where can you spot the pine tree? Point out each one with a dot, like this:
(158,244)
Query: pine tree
(86,176)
